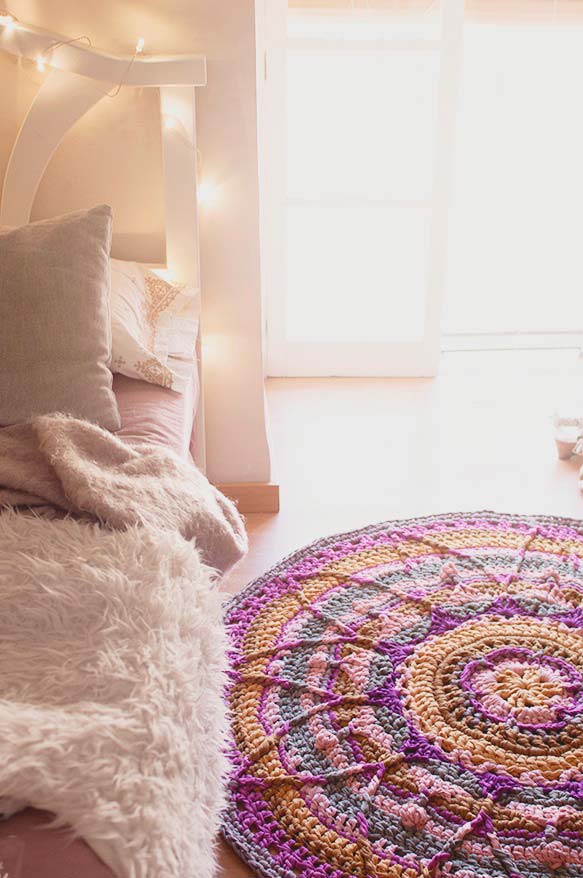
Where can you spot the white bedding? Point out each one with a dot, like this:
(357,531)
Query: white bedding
(111,676)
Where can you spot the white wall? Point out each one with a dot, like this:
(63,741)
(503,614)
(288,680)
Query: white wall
(114,155)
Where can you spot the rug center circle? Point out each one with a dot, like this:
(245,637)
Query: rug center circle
(475,690)
(523,687)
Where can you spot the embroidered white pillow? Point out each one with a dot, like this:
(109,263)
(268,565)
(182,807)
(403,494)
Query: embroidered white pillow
(154,326)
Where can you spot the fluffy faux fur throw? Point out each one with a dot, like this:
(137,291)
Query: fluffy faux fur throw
(111,675)
(76,467)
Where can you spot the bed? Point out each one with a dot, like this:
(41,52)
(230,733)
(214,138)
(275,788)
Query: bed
(111,542)
(28,849)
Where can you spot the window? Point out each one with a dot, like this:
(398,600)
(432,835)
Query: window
(388,242)
(364,91)
(515,264)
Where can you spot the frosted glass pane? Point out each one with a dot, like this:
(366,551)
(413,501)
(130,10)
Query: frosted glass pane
(515,257)
(355,275)
(409,19)
(361,123)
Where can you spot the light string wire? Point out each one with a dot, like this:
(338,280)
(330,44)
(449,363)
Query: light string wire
(137,51)
(42,57)
(172,123)
(8,20)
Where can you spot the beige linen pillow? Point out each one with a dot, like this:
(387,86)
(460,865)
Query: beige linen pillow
(55,328)
(154,326)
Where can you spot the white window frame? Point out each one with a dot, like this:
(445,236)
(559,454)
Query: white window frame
(398,359)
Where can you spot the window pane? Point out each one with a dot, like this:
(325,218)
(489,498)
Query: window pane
(515,256)
(361,123)
(366,20)
(356,274)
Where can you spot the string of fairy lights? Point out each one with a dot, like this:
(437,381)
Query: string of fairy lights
(10,23)
(207,190)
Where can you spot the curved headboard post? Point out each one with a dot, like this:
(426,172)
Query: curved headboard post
(62,99)
(180,178)
(179,152)
(80,76)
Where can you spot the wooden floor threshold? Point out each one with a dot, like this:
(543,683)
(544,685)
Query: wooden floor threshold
(252,496)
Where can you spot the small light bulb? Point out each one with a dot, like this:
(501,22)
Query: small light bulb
(140,45)
(8,22)
(40,64)
(167,274)
(207,193)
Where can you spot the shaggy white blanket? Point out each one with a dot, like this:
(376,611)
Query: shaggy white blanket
(111,676)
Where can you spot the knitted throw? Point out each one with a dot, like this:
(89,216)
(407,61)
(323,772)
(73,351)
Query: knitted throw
(407,702)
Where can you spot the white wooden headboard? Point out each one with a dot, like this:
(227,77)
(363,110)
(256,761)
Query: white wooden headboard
(77,77)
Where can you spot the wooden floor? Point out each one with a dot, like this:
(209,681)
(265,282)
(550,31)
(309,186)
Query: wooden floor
(350,452)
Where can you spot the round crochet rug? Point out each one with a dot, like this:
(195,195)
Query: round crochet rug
(407,700)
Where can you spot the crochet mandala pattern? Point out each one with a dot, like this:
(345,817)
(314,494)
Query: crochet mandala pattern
(407,702)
